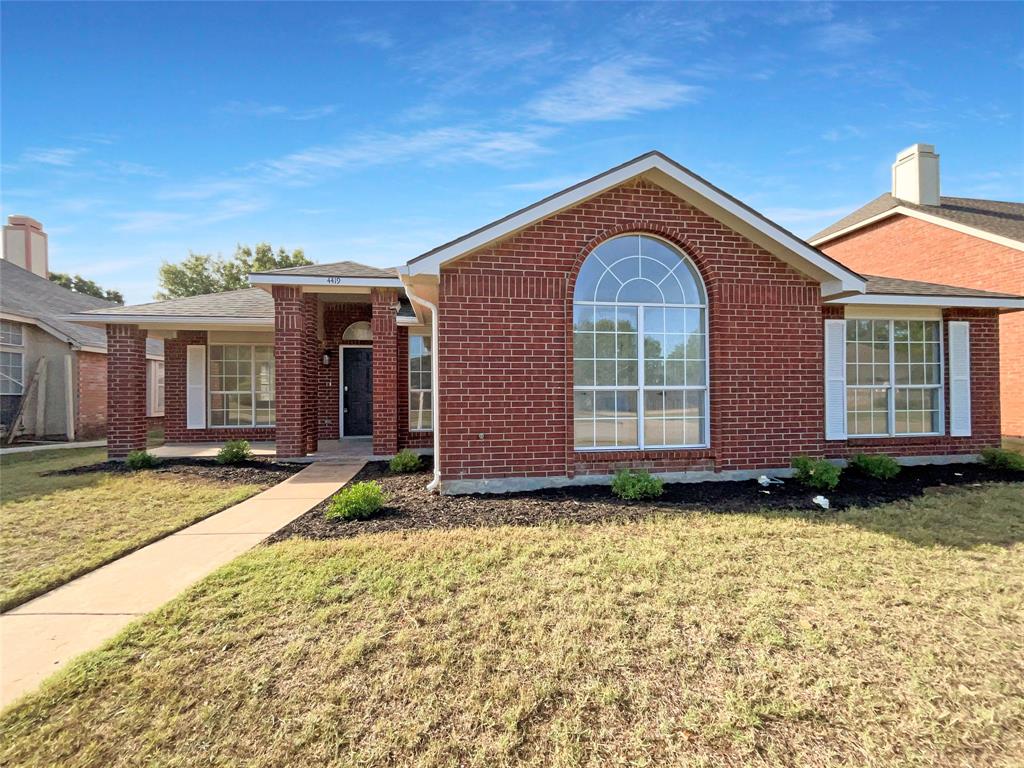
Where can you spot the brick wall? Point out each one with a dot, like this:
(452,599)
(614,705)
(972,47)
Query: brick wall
(175,392)
(126,389)
(91,411)
(290,370)
(407,438)
(506,346)
(337,317)
(905,247)
(384,323)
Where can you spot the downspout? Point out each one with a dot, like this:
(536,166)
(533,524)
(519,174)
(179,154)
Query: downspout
(435,392)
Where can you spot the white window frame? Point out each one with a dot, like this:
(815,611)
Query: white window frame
(252,388)
(155,389)
(892,386)
(11,326)
(424,394)
(21,364)
(641,387)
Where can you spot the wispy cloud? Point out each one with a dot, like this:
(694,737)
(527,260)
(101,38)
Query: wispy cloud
(375,38)
(610,91)
(842,133)
(58,156)
(157,220)
(843,37)
(542,185)
(255,109)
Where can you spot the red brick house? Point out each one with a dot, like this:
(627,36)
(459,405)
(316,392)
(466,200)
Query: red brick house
(915,233)
(640,318)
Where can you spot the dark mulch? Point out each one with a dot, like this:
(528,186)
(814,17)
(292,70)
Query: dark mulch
(411,506)
(255,471)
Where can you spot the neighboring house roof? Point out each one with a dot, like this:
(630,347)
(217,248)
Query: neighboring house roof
(997,219)
(335,269)
(678,179)
(30,296)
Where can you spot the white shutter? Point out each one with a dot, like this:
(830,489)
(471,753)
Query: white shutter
(835,379)
(195,378)
(959,378)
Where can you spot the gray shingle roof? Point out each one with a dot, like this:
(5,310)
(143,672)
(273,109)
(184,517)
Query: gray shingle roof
(337,269)
(894,286)
(245,304)
(29,295)
(993,216)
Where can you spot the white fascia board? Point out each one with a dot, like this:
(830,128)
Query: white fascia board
(937,220)
(894,299)
(431,264)
(326,280)
(178,321)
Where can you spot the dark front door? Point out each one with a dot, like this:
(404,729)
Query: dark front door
(356,391)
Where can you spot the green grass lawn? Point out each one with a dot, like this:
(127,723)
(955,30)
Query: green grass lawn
(888,637)
(54,528)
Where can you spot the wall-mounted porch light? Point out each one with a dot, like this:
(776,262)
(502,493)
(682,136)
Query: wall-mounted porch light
(327,358)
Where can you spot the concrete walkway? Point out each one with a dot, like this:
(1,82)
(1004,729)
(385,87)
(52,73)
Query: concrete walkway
(40,636)
(51,447)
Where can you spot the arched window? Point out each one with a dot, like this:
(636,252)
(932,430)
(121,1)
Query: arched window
(358,331)
(639,348)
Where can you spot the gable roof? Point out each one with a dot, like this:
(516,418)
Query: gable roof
(30,296)
(245,306)
(891,290)
(895,287)
(997,219)
(335,269)
(667,173)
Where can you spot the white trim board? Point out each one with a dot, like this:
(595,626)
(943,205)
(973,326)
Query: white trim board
(887,299)
(325,280)
(937,220)
(787,246)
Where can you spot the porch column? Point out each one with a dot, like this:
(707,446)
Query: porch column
(290,361)
(384,324)
(126,390)
(311,360)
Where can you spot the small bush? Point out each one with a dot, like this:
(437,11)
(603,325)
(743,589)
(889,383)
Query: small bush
(632,484)
(1000,458)
(234,452)
(880,466)
(405,461)
(141,460)
(356,502)
(816,473)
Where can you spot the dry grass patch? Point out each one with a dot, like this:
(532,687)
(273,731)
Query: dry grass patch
(703,640)
(54,528)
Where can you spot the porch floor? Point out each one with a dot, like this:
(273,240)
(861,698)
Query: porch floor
(332,451)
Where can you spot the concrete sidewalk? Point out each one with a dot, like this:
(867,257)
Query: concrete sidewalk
(40,636)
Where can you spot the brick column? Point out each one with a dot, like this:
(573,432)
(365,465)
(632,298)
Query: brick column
(384,325)
(290,370)
(311,360)
(126,390)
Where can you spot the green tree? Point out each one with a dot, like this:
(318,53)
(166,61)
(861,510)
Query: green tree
(79,284)
(204,273)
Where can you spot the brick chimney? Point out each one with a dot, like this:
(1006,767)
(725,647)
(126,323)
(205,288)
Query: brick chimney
(25,244)
(915,175)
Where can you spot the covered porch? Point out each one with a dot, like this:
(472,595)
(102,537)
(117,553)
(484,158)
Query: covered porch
(316,363)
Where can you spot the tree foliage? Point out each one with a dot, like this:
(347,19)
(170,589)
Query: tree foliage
(205,273)
(79,284)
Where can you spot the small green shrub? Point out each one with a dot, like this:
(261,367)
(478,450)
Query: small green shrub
(234,452)
(405,461)
(880,466)
(632,484)
(141,460)
(1001,458)
(356,502)
(816,473)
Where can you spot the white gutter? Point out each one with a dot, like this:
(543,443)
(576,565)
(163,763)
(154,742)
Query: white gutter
(435,392)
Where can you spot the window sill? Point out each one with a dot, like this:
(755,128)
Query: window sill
(637,449)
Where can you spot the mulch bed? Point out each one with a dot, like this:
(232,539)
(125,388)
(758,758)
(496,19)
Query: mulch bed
(410,506)
(255,471)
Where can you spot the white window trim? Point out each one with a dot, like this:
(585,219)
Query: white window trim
(210,390)
(153,388)
(892,386)
(21,384)
(641,384)
(412,390)
(18,345)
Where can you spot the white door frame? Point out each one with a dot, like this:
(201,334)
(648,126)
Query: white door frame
(341,384)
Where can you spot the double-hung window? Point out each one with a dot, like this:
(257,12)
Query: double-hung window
(639,348)
(12,361)
(893,377)
(420,384)
(241,385)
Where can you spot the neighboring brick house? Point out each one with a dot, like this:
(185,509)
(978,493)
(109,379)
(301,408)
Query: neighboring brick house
(915,233)
(54,372)
(641,318)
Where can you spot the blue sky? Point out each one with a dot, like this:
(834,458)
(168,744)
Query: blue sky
(137,132)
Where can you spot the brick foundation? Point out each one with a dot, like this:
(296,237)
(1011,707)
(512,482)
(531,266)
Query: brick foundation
(126,390)
(905,247)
